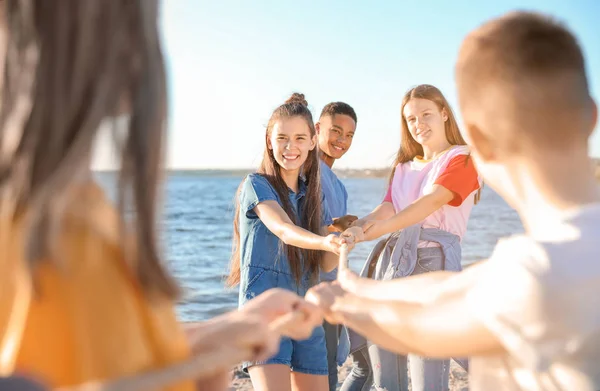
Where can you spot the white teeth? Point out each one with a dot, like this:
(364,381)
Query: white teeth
(290,157)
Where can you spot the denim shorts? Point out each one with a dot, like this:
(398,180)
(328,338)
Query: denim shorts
(308,356)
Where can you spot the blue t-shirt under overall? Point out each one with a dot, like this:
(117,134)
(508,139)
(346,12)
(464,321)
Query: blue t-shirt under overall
(336,200)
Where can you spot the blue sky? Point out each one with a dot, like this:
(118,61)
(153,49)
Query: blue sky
(230,63)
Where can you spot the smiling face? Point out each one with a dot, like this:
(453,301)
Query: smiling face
(290,141)
(335,133)
(425,121)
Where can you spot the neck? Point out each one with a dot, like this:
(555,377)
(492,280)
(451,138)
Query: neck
(291,179)
(432,150)
(327,159)
(548,184)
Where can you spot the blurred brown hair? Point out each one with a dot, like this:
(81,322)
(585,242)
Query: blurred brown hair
(69,66)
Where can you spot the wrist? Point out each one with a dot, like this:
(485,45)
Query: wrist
(323,244)
(372,232)
(349,309)
(361,223)
(359,238)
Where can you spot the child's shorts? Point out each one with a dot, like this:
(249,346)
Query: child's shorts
(308,356)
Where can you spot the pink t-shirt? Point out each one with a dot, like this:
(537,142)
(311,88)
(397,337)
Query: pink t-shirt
(453,169)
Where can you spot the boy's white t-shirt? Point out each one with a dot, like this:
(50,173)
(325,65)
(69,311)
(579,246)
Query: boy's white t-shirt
(542,301)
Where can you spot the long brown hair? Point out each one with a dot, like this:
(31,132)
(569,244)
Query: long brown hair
(409,147)
(69,66)
(295,106)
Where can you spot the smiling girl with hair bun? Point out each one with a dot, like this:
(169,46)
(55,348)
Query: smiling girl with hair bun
(278,240)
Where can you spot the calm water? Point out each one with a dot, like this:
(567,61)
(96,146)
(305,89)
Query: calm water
(197,230)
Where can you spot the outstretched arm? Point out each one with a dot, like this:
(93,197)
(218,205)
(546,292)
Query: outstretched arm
(278,222)
(150,381)
(441,329)
(422,288)
(154,380)
(444,327)
(383,211)
(251,333)
(457,182)
(412,214)
(207,365)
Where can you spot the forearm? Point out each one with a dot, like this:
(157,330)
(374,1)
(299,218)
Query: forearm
(199,333)
(443,326)
(382,212)
(415,289)
(359,315)
(279,223)
(412,214)
(204,367)
(422,288)
(292,235)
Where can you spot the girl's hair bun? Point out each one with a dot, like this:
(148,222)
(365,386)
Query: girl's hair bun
(297,98)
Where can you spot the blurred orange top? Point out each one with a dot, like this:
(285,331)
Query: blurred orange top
(87,319)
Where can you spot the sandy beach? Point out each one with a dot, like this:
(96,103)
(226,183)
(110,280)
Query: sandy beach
(458,378)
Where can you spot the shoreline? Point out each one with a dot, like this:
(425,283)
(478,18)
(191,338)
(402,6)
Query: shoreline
(342,173)
(381,172)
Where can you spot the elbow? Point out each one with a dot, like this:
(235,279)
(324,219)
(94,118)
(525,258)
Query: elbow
(284,234)
(284,238)
(328,267)
(328,262)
